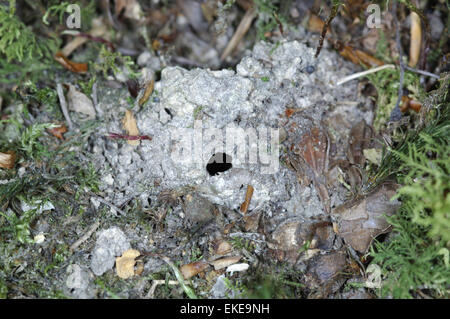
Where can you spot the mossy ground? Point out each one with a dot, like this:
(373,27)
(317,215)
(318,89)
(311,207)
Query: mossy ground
(415,258)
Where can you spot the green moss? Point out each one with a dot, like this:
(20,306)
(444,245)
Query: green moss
(110,62)
(21,53)
(416,257)
(386,83)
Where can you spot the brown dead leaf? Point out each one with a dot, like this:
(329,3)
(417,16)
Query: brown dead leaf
(7,159)
(192,269)
(147,93)
(130,126)
(252,221)
(291,235)
(225,262)
(223,248)
(326,273)
(313,149)
(359,139)
(416,39)
(58,131)
(361,220)
(69,65)
(357,56)
(125,263)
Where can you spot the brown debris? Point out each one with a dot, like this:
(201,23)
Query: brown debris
(69,65)
(223,248)
(7,159)
(361,220)
(248,198)
(359,140)
(58,131)
(313,150)
(252,221)
(192,269)
(147,93)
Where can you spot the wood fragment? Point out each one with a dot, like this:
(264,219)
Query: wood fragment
(241,30)
(248,198)
(7,159)
(80,68)
(147,93)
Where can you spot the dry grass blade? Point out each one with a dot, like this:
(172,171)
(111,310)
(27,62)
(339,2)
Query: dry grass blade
(242,29)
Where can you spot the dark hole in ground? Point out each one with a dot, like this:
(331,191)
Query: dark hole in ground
(219,163)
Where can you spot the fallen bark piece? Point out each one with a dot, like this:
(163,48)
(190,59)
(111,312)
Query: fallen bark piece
(130,125)
(416,39)
(248,198)
(225,262)
(361,220)
(125,263)
(192,269)
(7,160)
(80,103)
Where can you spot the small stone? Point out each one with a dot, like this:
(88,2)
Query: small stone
(78,278)
(110,244)
(144,58)
(310,69)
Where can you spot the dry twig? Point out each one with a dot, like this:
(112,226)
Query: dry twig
(83,238)
(241,30)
